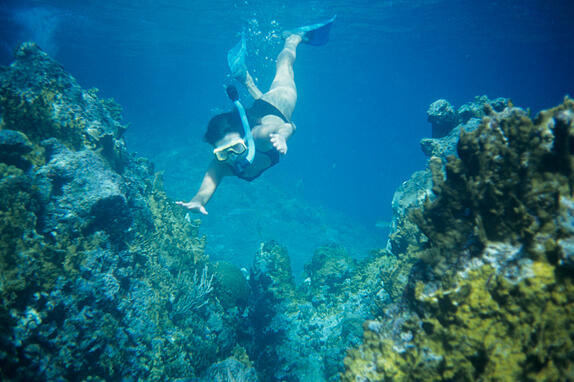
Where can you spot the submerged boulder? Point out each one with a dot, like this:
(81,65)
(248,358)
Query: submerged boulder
(85,193)
(442,117)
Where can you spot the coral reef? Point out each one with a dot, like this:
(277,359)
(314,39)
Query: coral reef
(101,277)
(444,118)
(493,299)
(330,266)
(230,370)
(301,333)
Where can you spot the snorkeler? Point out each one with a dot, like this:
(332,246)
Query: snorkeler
(248,142)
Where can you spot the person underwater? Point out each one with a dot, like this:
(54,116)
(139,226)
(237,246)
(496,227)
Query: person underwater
(246,143)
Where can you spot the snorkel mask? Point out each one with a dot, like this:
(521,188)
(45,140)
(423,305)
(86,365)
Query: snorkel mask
(230,151)
(239,151)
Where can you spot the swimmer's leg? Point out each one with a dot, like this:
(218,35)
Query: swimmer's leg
(251,87)
(238,69)
(283,93)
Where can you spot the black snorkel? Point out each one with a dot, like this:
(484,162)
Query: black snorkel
(241,163)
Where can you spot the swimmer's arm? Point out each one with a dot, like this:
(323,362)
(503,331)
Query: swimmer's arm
(275,133)
(212,178)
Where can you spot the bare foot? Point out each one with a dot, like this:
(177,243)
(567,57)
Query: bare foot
(279,143)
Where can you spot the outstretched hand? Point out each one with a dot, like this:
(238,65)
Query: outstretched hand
(194,207)
(279,143)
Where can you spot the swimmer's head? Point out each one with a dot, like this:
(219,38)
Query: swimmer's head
(221,125)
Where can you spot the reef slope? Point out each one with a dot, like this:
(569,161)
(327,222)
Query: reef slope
(101,277)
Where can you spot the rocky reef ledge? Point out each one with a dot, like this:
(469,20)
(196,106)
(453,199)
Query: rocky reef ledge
(101,278)
(490,291)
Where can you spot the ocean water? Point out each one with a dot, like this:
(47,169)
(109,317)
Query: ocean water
(362,97)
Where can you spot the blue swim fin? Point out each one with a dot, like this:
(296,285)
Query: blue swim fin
(236,59)
(316,34)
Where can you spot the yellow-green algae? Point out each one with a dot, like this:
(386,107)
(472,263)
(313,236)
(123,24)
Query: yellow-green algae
(485,328)
(477,322)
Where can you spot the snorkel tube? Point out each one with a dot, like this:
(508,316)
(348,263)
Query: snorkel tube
(240,165)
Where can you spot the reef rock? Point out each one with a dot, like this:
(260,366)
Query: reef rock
(446,145)
(102,278)
(468,118)
(442,117)
(301,334)
(272,291)
(480,107)
(330,266)
(494,298)
(13,148)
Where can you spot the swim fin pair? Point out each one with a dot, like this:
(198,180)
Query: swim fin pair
(316,34)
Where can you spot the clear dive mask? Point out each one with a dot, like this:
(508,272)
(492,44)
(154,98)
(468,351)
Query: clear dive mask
(230,151)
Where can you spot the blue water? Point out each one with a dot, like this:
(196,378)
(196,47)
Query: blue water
(362,97)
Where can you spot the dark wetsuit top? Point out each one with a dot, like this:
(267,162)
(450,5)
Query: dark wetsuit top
(255,113)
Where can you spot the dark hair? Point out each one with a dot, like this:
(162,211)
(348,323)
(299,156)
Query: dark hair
(222,124)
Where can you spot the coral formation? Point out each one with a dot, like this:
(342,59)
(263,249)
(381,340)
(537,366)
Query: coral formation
(494,301)
(506,185)
(101,277)
(444,118)
(301,333)
(330,266)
